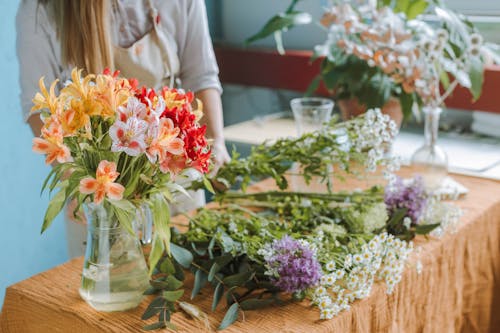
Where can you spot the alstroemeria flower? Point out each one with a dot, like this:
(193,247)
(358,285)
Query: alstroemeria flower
(129,136)
(134,108)
(103,184)
(45,99)
(51,144)
(162,139)
(173,164)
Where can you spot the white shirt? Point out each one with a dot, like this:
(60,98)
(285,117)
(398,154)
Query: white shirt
(39,50)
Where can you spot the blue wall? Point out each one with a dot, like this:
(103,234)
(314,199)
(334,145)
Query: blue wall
(23,251)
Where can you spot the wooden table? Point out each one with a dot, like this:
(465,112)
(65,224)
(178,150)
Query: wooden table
(457,291)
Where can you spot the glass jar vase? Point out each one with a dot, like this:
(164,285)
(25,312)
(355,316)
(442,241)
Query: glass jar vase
(310,113)
(115,274)
(430,161)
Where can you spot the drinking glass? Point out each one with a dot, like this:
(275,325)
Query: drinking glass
(310,113)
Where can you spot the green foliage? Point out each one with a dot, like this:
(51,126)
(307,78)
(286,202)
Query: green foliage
(56,204)
(181,255)
(221,246)
(230,317)
(315,152)
(281,23)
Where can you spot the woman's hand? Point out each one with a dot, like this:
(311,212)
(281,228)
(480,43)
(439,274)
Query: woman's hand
(220,155)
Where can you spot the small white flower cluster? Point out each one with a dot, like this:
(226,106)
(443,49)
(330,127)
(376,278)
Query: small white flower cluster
(373,135)
(382,258)
(446,214)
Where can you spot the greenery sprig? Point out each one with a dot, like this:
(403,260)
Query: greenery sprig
(360,141)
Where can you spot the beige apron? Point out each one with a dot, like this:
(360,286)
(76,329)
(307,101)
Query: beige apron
(153,61)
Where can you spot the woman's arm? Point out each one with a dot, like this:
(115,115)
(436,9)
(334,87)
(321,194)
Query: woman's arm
(37,52)
(212,117)
(200,73)
(36,124)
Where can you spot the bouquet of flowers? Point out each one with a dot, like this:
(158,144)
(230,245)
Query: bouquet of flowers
(119,146)
(376,51)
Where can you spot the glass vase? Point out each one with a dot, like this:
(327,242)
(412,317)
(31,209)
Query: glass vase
(115,274)
(430,161)
(310,113)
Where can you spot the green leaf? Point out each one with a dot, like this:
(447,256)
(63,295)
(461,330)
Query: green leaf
(179,271)
(415,8)
(150,291)
(200,280)
(255,303)
(208,185)
(444,78)
(171,326)
(213,270)
(238,279)
(230,317)
(154,308)
(131,185)
(181,255)
(167,266)
(155,254)
(173,283)
(401,6)
(173,295)
(155,326)
(406,101)
(50,175)
(313,86)
(424,229)
(279,22)
(476,77)
(161,219)
(125,213)
(397,216)
(158,284)
(219,291)
(219,263)
(173,187)
(56,204)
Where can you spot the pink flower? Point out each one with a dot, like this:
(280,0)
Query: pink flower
(162,139)
(103,184)
(134,108)
(129,136)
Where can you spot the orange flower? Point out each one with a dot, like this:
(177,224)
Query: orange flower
(162,140)
(103,184)
(75,118)
(45,99)
(51,144)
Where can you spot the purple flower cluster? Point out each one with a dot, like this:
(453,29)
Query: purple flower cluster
(293,265)
(410,195)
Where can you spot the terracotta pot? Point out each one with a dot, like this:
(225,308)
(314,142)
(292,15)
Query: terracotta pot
(350,108)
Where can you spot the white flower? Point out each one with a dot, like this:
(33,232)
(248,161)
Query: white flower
(476,39)
(407,222)
(330,266)
(324,302)
(129,136)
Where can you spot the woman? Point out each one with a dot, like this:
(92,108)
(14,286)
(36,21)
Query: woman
(157,42)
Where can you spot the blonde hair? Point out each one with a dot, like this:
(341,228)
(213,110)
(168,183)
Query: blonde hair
(83,30)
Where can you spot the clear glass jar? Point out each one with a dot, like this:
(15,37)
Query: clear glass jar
(115,274)
(310,113)
(430,160)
